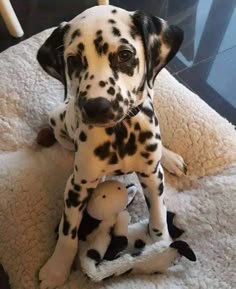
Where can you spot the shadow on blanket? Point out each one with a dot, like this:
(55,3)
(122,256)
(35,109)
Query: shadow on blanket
(4,280)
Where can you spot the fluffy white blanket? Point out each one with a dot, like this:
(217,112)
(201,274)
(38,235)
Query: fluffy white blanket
(32,179)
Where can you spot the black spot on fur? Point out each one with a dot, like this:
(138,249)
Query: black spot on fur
(102,83)
(123,40)
(111,21)
(139,244)
(72,199)
(143,185)
(94,255)
(144,135)
(160,175)
(149,112)
(81,46)
(76,146)
(150,162)
(143,175)
(116,32)
(73,233)
(113,159)
(87,226)
(91,77)
(82,136)
(66,225)
(102,151)
(137,126)
(145,155)
(114,11)
(151,147)
(111,90)
(52,121)
(105,47)
(83,181)
(76,33)
(112,81)
(119,97)
(131,145)
(62,115)
(99,32)
(161,189)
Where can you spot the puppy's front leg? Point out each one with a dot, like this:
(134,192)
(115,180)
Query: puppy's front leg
(56,271)
(153,187)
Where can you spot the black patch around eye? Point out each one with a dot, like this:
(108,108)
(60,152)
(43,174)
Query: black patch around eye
(112,21)
(76,33)
(116,32)
(74,64)
(111,90)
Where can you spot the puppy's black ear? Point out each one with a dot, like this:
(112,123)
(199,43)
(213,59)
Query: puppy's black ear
(161,41)
(51,54)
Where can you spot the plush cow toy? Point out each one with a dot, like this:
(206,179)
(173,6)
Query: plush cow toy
(109,246)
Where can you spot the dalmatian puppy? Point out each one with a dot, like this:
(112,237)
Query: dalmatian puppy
(109,246)
(108,59)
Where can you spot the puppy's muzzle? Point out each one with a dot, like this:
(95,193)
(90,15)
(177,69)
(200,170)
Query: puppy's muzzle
(98,110)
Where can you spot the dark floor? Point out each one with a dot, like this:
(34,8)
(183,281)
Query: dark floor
(206,62)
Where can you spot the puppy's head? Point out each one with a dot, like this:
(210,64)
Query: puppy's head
(108,59)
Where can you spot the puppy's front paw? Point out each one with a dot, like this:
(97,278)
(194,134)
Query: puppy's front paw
(173,163)
(53,274)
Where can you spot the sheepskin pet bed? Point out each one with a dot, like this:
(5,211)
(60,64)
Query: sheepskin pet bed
(32,180)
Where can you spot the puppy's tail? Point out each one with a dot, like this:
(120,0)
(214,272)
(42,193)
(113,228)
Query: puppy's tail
(103,2)
(155,258)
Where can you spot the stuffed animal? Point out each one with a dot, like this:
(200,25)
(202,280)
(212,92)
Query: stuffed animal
(109,246)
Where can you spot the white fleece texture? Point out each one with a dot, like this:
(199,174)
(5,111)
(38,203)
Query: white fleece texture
(32,180)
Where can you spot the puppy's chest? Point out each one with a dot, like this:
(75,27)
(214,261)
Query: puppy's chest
(128,146)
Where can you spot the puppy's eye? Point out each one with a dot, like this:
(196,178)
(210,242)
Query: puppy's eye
(124,55)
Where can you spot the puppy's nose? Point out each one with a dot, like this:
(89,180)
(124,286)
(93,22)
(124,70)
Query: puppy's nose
(98,109)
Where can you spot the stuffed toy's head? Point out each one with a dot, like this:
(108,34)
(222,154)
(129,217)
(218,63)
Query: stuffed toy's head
(108,199)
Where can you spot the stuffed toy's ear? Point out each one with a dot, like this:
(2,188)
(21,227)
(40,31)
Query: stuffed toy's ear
(160,40)
(51,54)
